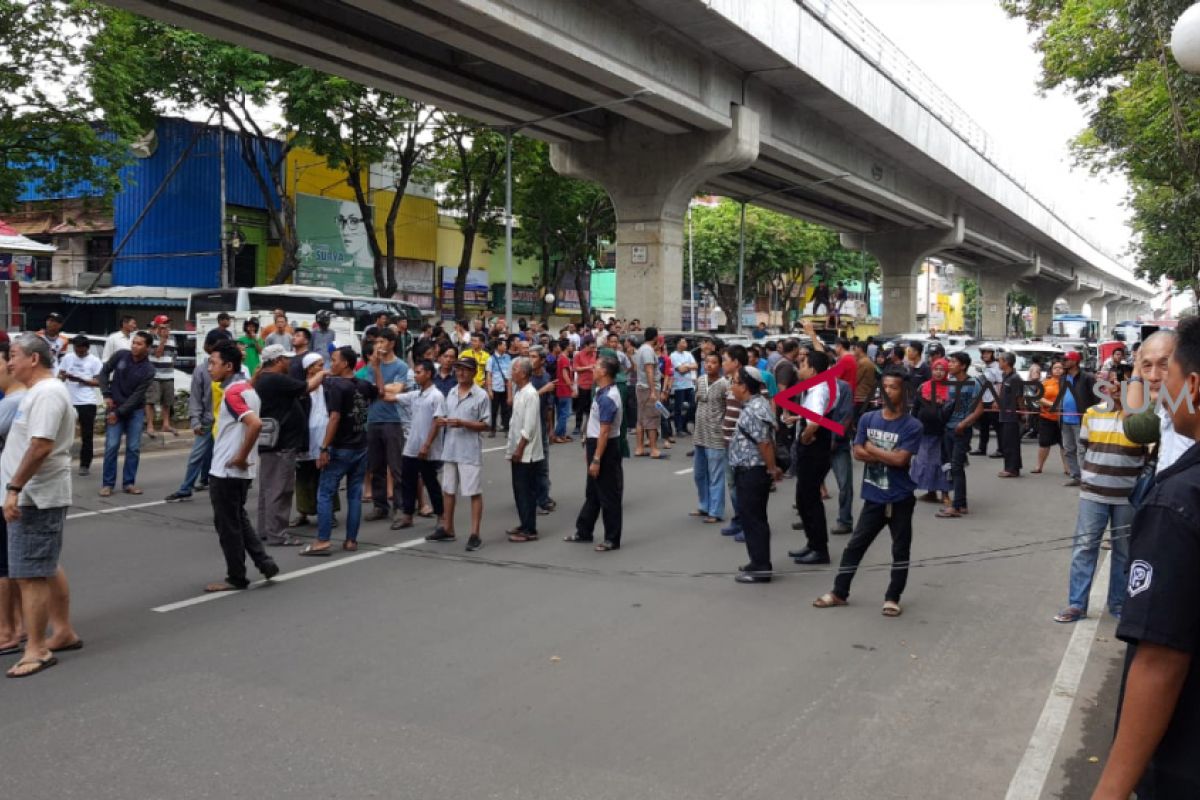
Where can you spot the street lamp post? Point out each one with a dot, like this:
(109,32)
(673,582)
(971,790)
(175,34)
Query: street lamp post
(509,130)
(742,233)
(691,268)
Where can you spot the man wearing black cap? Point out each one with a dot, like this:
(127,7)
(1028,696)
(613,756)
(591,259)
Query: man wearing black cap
(80,371)
(468,413)
(53,336)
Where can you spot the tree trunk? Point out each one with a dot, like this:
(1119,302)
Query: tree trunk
(581,269)
(464,266)
(354,173)
(400,188)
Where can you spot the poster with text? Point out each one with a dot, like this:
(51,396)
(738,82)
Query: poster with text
(334,249)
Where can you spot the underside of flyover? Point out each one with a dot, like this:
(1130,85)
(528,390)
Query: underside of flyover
(735,118)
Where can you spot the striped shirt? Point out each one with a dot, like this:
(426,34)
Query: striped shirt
(1111,463)
(710,412)
(733,410)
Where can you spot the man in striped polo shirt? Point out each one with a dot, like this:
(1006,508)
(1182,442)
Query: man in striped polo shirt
(1110,467)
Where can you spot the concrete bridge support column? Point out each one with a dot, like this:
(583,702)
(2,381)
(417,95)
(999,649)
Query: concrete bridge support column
(1111,315)
(651,178)
(1078,298)
(993,301)
(900,255)
(1045,293)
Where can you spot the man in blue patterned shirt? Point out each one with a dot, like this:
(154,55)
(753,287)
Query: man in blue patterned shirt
(752,458)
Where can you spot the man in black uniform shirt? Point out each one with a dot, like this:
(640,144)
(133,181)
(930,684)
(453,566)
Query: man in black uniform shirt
(1157,746)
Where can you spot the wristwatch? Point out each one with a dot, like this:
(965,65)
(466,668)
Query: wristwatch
(596,460)
(12,487)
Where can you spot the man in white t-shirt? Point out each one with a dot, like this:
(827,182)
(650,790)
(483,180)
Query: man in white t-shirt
(683,390)
(80,370)
(234,467)
(36,471)
(121,339)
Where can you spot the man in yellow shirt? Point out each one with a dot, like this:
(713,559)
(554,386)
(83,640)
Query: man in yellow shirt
(481,357)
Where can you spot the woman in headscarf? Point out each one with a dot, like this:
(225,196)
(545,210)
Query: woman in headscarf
(307,473)
(931,406)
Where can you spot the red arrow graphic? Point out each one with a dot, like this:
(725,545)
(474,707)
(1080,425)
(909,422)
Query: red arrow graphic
(828,377)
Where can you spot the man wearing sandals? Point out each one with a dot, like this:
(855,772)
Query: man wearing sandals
(1158,727)
(1110,465)
(605,477)
(524,450)
(886,442)
(36,470)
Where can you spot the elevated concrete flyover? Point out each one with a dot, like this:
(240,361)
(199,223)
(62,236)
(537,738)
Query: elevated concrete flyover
(801,99)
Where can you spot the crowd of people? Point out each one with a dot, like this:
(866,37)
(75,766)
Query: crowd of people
(401,424)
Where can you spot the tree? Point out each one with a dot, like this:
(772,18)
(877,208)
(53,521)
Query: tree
(561,222)
(1143,115)
(51,132)
(354,127)
(139,68)
(780,250)
(469,161)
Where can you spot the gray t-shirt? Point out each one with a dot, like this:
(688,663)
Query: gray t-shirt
(460,445)
(284,340)
(44,412)
(645,355)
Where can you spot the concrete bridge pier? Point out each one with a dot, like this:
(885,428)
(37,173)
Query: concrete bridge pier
(1082,296)
(1045,294)
(651,178)
(900,255)
(994,286)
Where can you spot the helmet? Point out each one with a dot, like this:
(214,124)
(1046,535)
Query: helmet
(161,319)
(324,315)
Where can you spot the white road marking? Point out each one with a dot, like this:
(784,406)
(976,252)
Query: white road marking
(493,449)
(683,471)
(116,509)
(287,576)
(1030,778)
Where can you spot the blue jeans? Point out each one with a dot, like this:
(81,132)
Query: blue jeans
(708,470)
(199,462)
(351,464)
(685,403)
(562,407)
(843,473)
(1089,528)
(131,428)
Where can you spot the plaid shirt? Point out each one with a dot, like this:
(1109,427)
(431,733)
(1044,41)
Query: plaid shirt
(710,412)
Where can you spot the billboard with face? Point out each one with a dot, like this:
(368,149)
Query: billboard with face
(334,249)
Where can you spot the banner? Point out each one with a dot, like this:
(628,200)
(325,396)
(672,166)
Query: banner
(334,249)
(414,276)
(475,295)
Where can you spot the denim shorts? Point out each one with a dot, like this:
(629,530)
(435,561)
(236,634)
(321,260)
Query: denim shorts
(35,542)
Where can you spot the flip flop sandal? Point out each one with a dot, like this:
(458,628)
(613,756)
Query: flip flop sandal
(828,600)
(213,588)
(1069,615)
(604,547)
(697,514)
(316,552)
(576,539)
(13,649)
(519,538)
(75,645)
(712,520)
(891,609)
(661,457)
(947,513)
(43,664)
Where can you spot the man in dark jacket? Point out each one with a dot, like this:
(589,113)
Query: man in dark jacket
(123,382)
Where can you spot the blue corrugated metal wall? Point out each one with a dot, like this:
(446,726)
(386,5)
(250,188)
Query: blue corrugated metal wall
(178,243)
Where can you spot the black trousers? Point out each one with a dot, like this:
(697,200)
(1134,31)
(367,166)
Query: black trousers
(812,464)
(413,470)
(987,421)
(898,518)
(385,453)
(603,494)
(1010,445)
(753,486)
(524,486)
(583,405)
(236,534)
(501,410)
(87,430)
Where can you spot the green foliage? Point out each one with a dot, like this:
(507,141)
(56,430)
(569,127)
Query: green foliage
(354,127)
(51,131)
(139,68)
(779,248)
(560,221)
(1143,115)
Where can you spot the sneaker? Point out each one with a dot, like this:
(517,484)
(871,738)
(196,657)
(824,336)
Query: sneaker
(175,497)
(300,521)
(202,487)
(739,537)
(1072,482)
(269,570)
(542,512)
(797,525)
(842,530)
(84,472)
(730,531)
(440,535)
(474,543)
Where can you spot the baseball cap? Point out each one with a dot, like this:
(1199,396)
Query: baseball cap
(467,363)
(1074,356)
(161,319)
(274,351)
(54,315)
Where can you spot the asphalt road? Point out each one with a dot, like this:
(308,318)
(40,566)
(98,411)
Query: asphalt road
(546,670)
